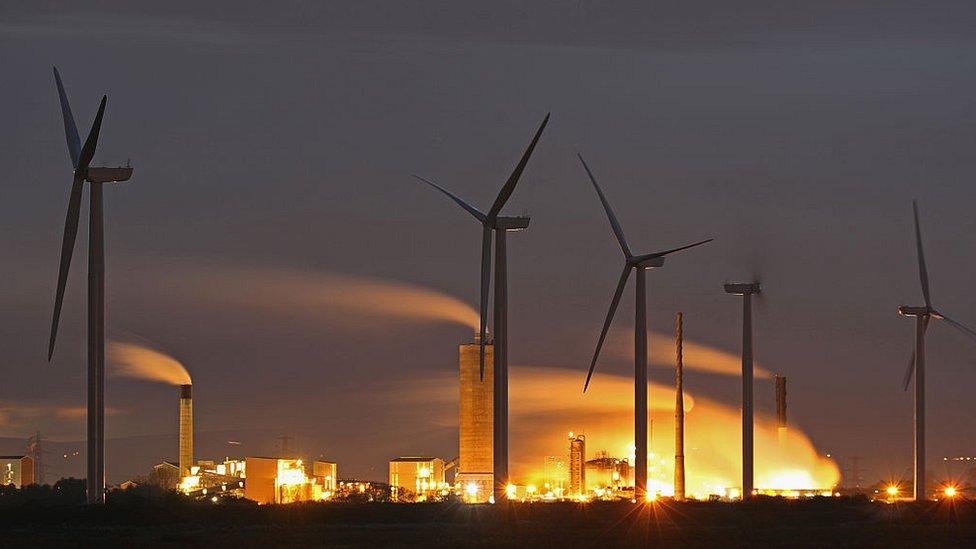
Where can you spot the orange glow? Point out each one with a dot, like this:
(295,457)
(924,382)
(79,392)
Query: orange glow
(950,491)
(545,403)
(892,490)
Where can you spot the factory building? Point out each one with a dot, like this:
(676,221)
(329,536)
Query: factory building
(324,473)
(416,479)
(606,473)
(16,470)
(276,480)
(555,475)
(209,477)
(474,479)
(577,465)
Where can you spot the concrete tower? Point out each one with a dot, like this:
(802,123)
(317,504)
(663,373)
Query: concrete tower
(186,428)
(476,412)
(577,465)
(780,408)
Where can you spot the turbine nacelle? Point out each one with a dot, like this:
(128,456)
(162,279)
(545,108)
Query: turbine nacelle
(743,288)
(108,175)
(519,223)
(645,262)
(906,310)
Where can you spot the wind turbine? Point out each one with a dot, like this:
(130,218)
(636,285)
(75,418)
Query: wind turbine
(747,290)
(638,263)
(81,157)
(917,364)
(492,222)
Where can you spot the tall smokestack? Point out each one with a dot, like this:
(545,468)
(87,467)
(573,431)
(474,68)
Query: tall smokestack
(186,428)
(679,417)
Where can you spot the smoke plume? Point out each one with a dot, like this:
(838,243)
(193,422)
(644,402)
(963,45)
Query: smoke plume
(140,362)
(696,356)
(348,298)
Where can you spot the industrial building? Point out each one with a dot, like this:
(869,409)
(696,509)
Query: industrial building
(606,473)
(16,470)
(577,465)
(555,475)
(416,479)
(276,480)
(474,478)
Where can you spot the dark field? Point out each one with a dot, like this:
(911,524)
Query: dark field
(818,522)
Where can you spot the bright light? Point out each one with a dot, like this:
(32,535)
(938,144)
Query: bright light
(892,490)
(734,493)
(530,488)
(950,491)
(651,496)
(510,491)
(471,489)
(424,472)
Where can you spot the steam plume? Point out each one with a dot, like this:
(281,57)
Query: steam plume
(697,356)
(136,361)
(349,298)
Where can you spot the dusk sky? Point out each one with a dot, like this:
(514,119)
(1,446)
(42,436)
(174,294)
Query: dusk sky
(273,148)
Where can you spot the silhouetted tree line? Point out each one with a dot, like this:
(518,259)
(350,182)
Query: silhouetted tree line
(67,491)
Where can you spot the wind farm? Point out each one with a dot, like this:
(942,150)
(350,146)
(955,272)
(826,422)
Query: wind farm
(293,334)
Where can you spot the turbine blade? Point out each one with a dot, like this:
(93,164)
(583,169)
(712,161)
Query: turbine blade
(67,248)
(468,207)
(619,232)
(606,324)
(671,251)
(923,274)
(70,130)
(88,151)
(908,373)
(485,286)
(961,327)
(911,365)
(509,187)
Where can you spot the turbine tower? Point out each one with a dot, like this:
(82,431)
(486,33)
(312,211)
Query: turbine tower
(492,222)
(81,157)
(638,263)
(917,364)
(748,442)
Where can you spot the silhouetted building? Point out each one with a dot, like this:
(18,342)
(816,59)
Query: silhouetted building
(605,472)
(474,478)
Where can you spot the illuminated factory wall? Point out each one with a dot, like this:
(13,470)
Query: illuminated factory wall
(474,470)
(325,474)
(273,480)
(16,470)
(417,479)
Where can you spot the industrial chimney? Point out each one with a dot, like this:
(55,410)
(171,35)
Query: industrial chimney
(186,428)
(780,407)
(679,416)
